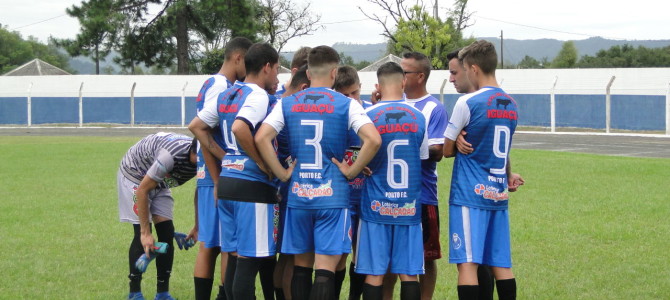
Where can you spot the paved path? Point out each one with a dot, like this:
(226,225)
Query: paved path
(608,144)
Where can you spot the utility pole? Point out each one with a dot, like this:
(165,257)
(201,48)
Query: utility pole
(502,60)
(437,45)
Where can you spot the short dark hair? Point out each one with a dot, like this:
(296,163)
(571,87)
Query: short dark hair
(320,57)
(299,78)
(241,44)
(453,54)
(346,77)
(422,59)
(481,53)
(258,56)
(389,68)
(300,57)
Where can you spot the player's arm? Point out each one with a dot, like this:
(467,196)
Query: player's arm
(193,234)
(437,124)
(213,165)
(435,152)
(264,137)
(242,131)
(449,148)
(142,194)
(459,119)
(370,139)
(203,132)
(462,145)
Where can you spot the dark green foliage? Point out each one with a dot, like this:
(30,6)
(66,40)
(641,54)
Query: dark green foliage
(15,51)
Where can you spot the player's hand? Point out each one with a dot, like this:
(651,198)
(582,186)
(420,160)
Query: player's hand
(289,171)
(375,97)
(147,243)
(367,171)
(344,168)
(514,181)
(193,233)
(265,170)
(462,145)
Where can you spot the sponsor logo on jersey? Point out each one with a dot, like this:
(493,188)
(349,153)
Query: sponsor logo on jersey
(501,102)
(201,172)
(313,108)
(310,192)
(225,108)
(404,127)
(491,193)
(394,209)
(310,102)
(235,165)
(501,114)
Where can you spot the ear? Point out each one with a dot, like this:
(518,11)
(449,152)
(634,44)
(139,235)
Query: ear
(309,75)
(333,73)
(304,86)
(267,68)
(404,82)
(377,86)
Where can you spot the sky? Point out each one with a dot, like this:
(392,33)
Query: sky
(342,21)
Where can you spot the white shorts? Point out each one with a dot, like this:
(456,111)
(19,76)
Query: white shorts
(160,201)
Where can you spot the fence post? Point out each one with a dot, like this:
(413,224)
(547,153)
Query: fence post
(29,104)
(132,105)
(444,82)
(183,104)
(81,105)
(552,104)
(667,111)
(608,105)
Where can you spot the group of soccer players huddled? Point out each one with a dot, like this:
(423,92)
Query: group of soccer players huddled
(293,178)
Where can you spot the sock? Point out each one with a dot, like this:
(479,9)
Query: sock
(339,278)
(324,284)
(356,282)
(468,292)
(267,269)
(222,293)
(203,288)
(279,294)
(134,252)
(372,292)
(410,290)
(165,233)
(230,276)
(245,277)
(506,289)
(486,283)
(301,284)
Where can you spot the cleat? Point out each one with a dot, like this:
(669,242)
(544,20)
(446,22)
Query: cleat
(136,296)
(182,242)
(164,296)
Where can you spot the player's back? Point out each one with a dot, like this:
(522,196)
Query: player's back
(209,91)
(391,194)
(317,120)
(492,122)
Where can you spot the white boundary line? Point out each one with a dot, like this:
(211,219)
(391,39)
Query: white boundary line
(598,134)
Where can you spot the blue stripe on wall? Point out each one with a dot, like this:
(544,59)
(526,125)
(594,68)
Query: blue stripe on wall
(14,110)
(106,110)
(636,112)
(55,110)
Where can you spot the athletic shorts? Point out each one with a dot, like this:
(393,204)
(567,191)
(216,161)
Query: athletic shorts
(322,231)
(256,228)
(160,201)
(208,217)
(430,220)
(479,236)
(227,228)
(382,247)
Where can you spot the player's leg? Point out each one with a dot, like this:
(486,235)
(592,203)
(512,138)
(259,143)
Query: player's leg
(407,258)
(134,252)
(298,240)
(340,272)
(331,239)
(208,235)
(356,280)
(127,213)
(373,256)
(283,259)
(430,220)
(390,280)
(500,259)
(223,266)
(467,228)
(161,208)
(486,282)
(228,239)
(203,273)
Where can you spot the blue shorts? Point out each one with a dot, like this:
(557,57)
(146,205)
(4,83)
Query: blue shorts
(256,228)
(382,247)
(322,231)
(208,217)
(479,236)
(227,231)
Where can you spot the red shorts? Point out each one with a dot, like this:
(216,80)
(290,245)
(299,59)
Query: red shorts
(430,221)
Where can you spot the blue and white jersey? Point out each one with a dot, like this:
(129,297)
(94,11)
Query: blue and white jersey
(209,91)
(317,121)
(436,122)
(391,194)
(247,102)
(356,184)
(479,179)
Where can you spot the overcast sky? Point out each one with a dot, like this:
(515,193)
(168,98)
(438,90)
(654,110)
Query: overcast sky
(343,22)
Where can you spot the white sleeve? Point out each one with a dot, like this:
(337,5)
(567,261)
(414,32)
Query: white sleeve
(424,146)
(357,116)
(276,117)
(209,114)
(213,93)
(460,118)
(255,107)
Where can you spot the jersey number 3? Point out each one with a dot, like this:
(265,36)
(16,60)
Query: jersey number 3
(314,142)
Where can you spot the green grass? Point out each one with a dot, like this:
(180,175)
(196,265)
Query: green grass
(583,226)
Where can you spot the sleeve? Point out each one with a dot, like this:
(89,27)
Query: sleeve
(276,117)
(255,108)
(209,114)
(459,119)
(437,125)
(213,92)
(424,146)
(163,164)
(357,116)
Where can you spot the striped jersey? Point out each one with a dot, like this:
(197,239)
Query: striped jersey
(209,91)
(436,122)
(479,179)
(163,156)
(391,194)
(356,184)
(317,121)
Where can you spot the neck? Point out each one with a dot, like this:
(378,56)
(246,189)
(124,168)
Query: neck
(416,94)
(488,80)
(228,70)
(391,94)
(255,79)
(321,82)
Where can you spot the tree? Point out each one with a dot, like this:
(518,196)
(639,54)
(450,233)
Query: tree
(567,57)
(347,60)
(281,21)
(460,16)
(529,63)
(626,56)
(15,51)
(425,34)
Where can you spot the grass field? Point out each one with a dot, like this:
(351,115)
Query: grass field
(583,226)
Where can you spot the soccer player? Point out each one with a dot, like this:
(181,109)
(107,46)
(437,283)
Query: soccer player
(348,83)
(238,112)
(299,60)
(478,215)
(149,169)
(389,234)
(317,218)
(206,212)
(416,67)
